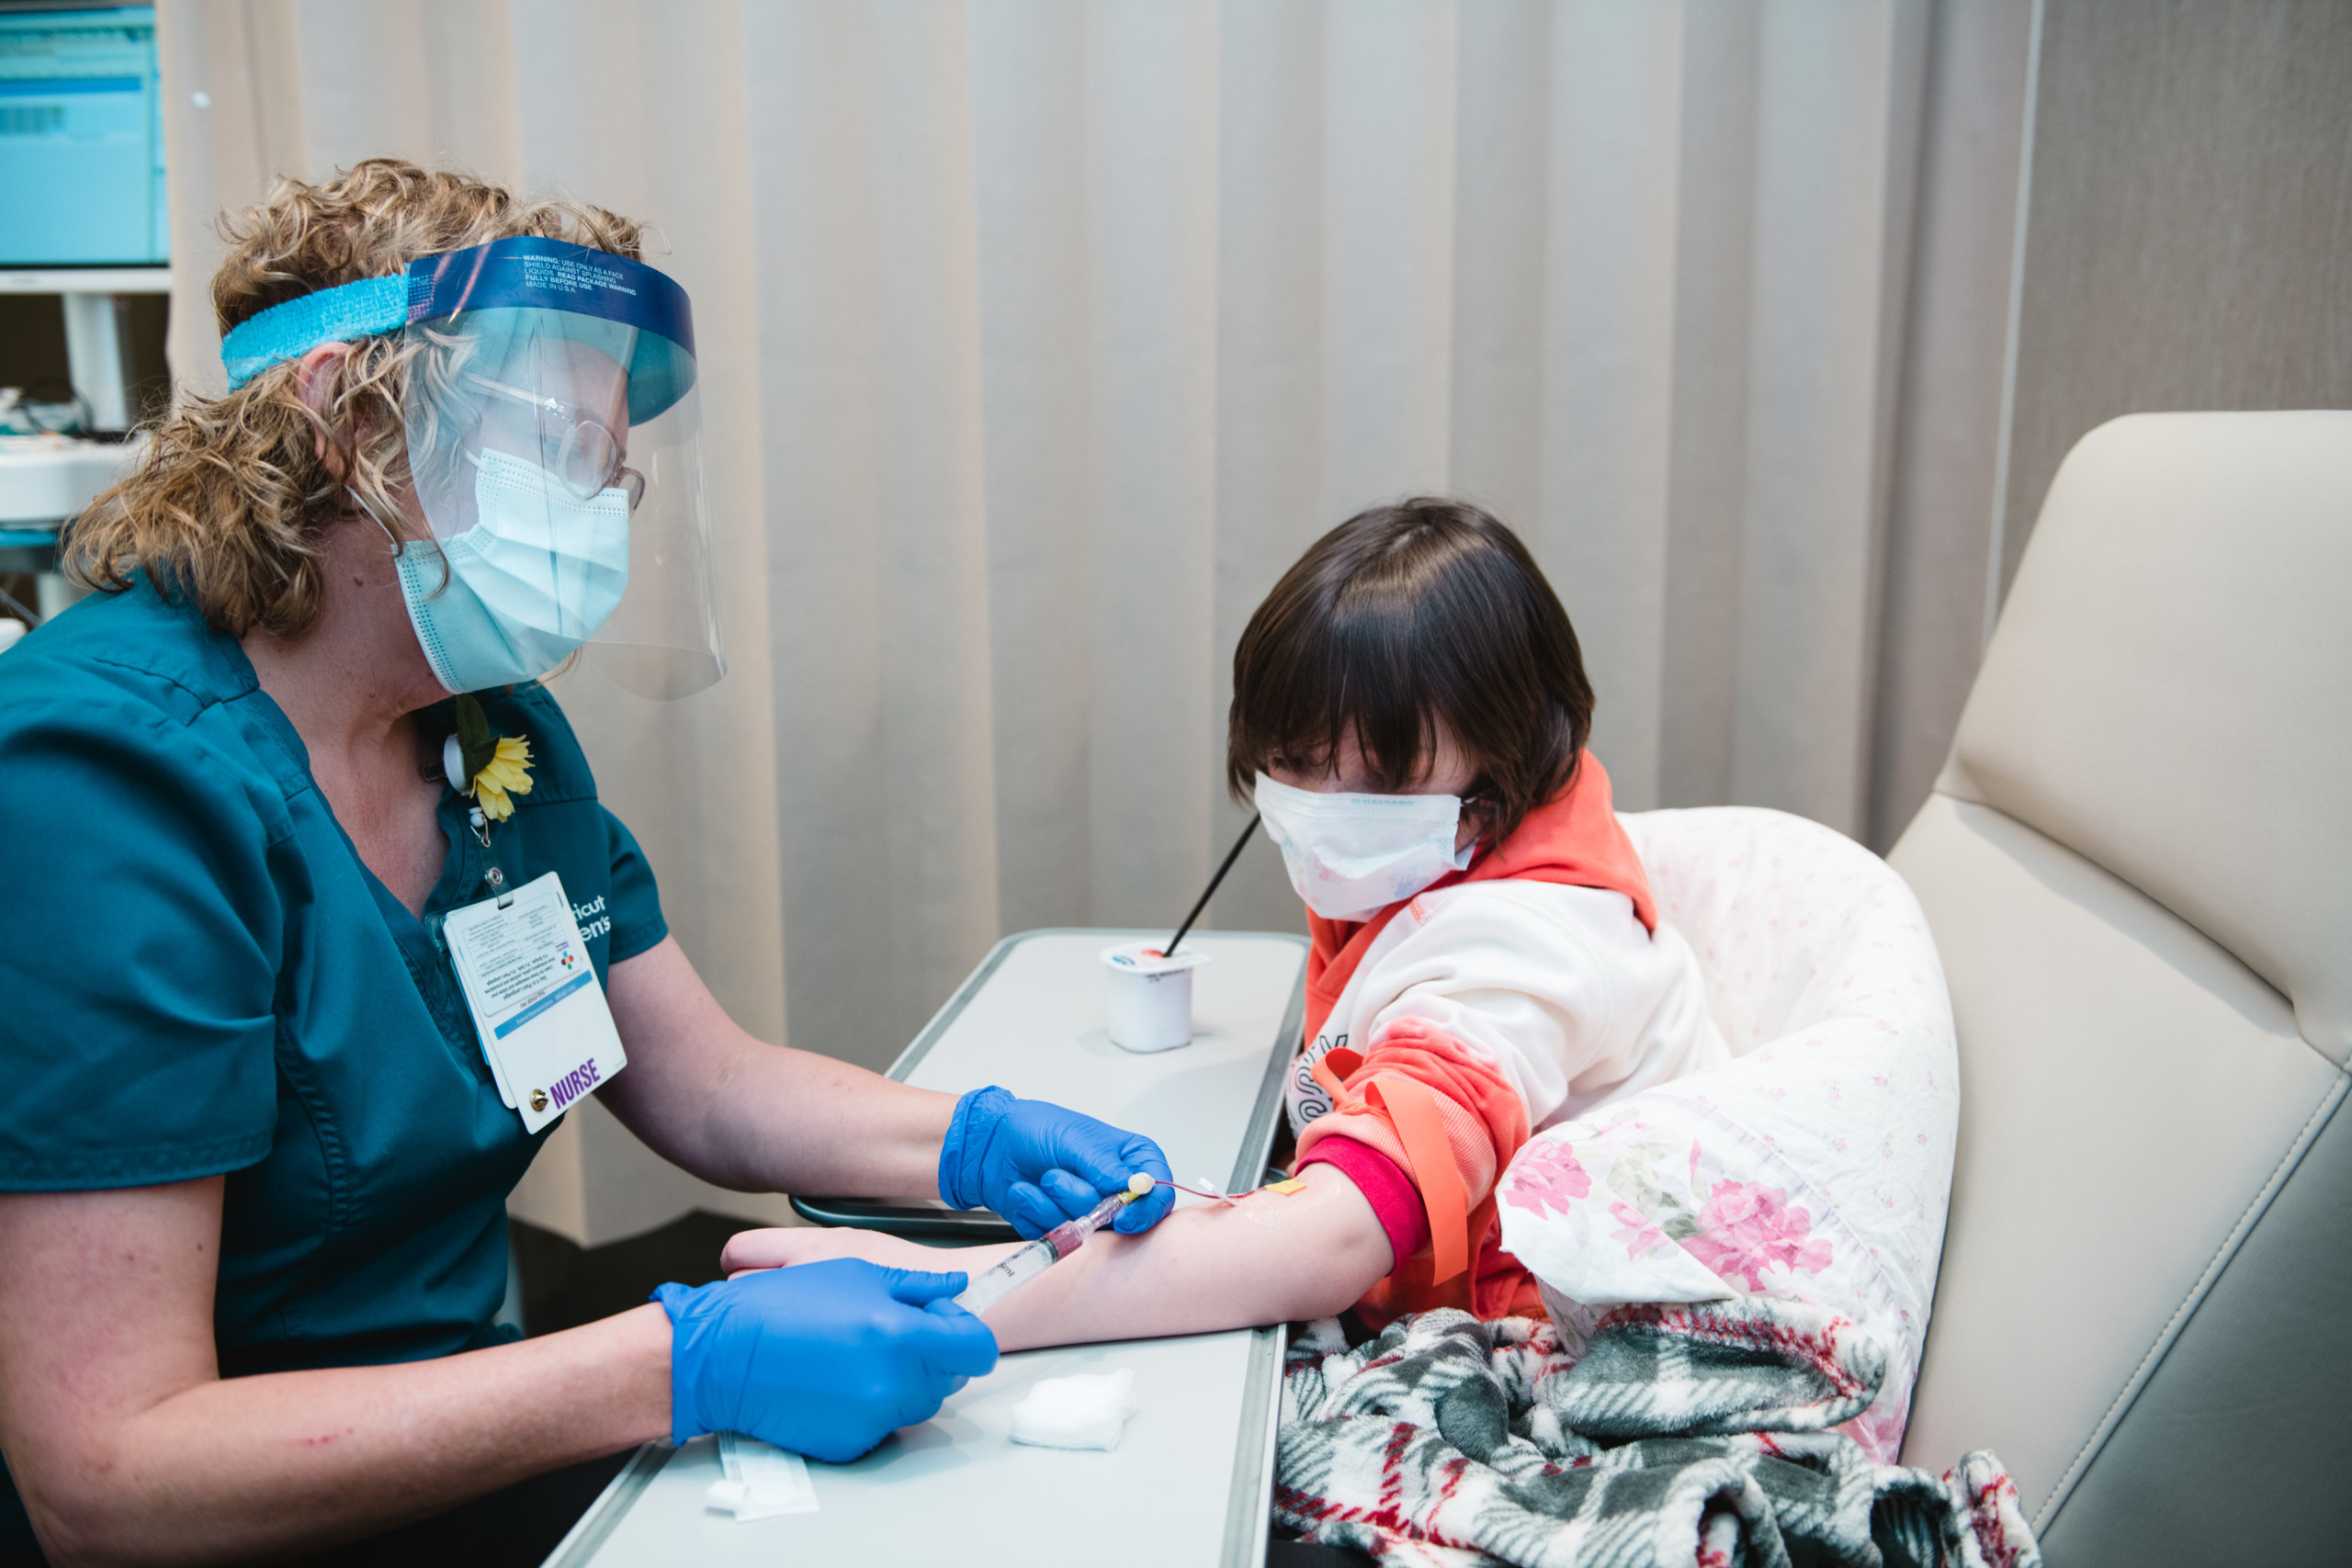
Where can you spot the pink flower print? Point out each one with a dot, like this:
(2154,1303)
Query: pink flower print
(1639,1235)
(1547,1176)
(1744,1228)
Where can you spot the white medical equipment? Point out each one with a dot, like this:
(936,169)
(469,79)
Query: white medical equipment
(762,1481)
(45,481)
(1028,1262)
(1076,1413)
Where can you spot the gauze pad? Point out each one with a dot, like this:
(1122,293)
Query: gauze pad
(1076,1413)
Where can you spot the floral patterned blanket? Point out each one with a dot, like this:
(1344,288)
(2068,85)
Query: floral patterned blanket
(1815,1167)
(1682,1435)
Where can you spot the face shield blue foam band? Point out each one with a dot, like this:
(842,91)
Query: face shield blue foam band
(553,439)
(369,307)
(525,273)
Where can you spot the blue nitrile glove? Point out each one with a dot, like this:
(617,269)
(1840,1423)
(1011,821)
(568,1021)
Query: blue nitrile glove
(1038,1165)
(826,1358)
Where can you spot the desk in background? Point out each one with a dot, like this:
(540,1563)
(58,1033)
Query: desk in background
(45,481)
(1191,1481)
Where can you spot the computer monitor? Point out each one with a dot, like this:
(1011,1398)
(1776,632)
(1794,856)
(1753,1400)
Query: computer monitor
(81,139)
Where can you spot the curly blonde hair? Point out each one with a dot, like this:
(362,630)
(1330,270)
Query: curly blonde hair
(231,500)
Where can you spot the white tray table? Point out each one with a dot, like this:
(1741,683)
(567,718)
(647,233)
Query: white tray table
(1191,1483)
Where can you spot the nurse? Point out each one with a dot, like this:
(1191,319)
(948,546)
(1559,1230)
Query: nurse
(316,925)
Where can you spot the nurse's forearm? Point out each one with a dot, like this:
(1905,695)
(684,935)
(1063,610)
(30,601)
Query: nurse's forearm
(229,1470)
(758,1118)
(128,1446)
(787,1121)
(261,1465)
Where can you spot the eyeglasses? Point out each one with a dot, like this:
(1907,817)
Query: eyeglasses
(588,457)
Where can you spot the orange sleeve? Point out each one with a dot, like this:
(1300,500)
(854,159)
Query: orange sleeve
(1443,1114)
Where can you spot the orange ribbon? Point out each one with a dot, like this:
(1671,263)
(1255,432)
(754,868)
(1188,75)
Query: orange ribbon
(1412,1108)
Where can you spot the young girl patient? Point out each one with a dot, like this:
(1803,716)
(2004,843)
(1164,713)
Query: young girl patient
(1410,713)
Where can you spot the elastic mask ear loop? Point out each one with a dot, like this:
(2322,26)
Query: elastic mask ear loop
(393,539)
(360,501)
(1480,797)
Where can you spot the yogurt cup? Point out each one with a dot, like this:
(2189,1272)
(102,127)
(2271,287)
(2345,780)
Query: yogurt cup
(1151,997)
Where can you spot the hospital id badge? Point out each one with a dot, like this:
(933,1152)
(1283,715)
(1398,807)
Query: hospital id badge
(544,1024)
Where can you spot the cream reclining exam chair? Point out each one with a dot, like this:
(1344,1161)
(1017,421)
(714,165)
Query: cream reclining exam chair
(2138,867)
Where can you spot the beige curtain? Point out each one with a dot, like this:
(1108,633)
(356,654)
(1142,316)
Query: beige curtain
(1040,335)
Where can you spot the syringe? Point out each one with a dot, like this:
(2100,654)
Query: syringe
(1048,1249)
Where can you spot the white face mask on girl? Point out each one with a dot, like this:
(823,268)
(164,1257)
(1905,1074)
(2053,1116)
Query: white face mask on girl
(1353,855)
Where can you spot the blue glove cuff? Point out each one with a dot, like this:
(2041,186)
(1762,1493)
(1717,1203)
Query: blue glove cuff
(685,1420)
(963,1153)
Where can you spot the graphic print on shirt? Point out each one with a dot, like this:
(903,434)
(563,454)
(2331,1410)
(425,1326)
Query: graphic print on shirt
(1308,1100)
(593,919)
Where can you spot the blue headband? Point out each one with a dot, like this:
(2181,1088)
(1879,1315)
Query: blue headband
(366,309)
(525,273)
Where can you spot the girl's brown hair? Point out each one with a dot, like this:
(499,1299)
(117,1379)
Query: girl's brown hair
(1400,616)
(231,499)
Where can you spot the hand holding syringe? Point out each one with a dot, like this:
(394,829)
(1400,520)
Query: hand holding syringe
(1042,1254)
(991,1285)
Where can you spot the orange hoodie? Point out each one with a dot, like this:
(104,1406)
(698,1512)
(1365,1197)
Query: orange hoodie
(1439,1111)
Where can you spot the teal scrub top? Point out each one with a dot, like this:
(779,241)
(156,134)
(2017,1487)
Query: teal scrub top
(199,975)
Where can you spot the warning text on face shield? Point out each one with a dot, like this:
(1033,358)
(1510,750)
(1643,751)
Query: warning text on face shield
(564,275)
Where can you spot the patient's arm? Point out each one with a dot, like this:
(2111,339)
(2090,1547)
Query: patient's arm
(1268,1258)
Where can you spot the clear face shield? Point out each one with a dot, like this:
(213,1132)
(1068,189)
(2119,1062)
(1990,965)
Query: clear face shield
(554,443)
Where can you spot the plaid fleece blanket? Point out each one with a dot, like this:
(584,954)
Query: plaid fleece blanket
(1688,1435)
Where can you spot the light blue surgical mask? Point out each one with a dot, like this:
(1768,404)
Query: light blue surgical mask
(534,577)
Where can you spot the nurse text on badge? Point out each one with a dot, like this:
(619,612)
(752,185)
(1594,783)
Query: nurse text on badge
(542,1016)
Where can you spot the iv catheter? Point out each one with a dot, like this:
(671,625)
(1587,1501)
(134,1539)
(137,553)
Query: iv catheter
(1042,1254)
